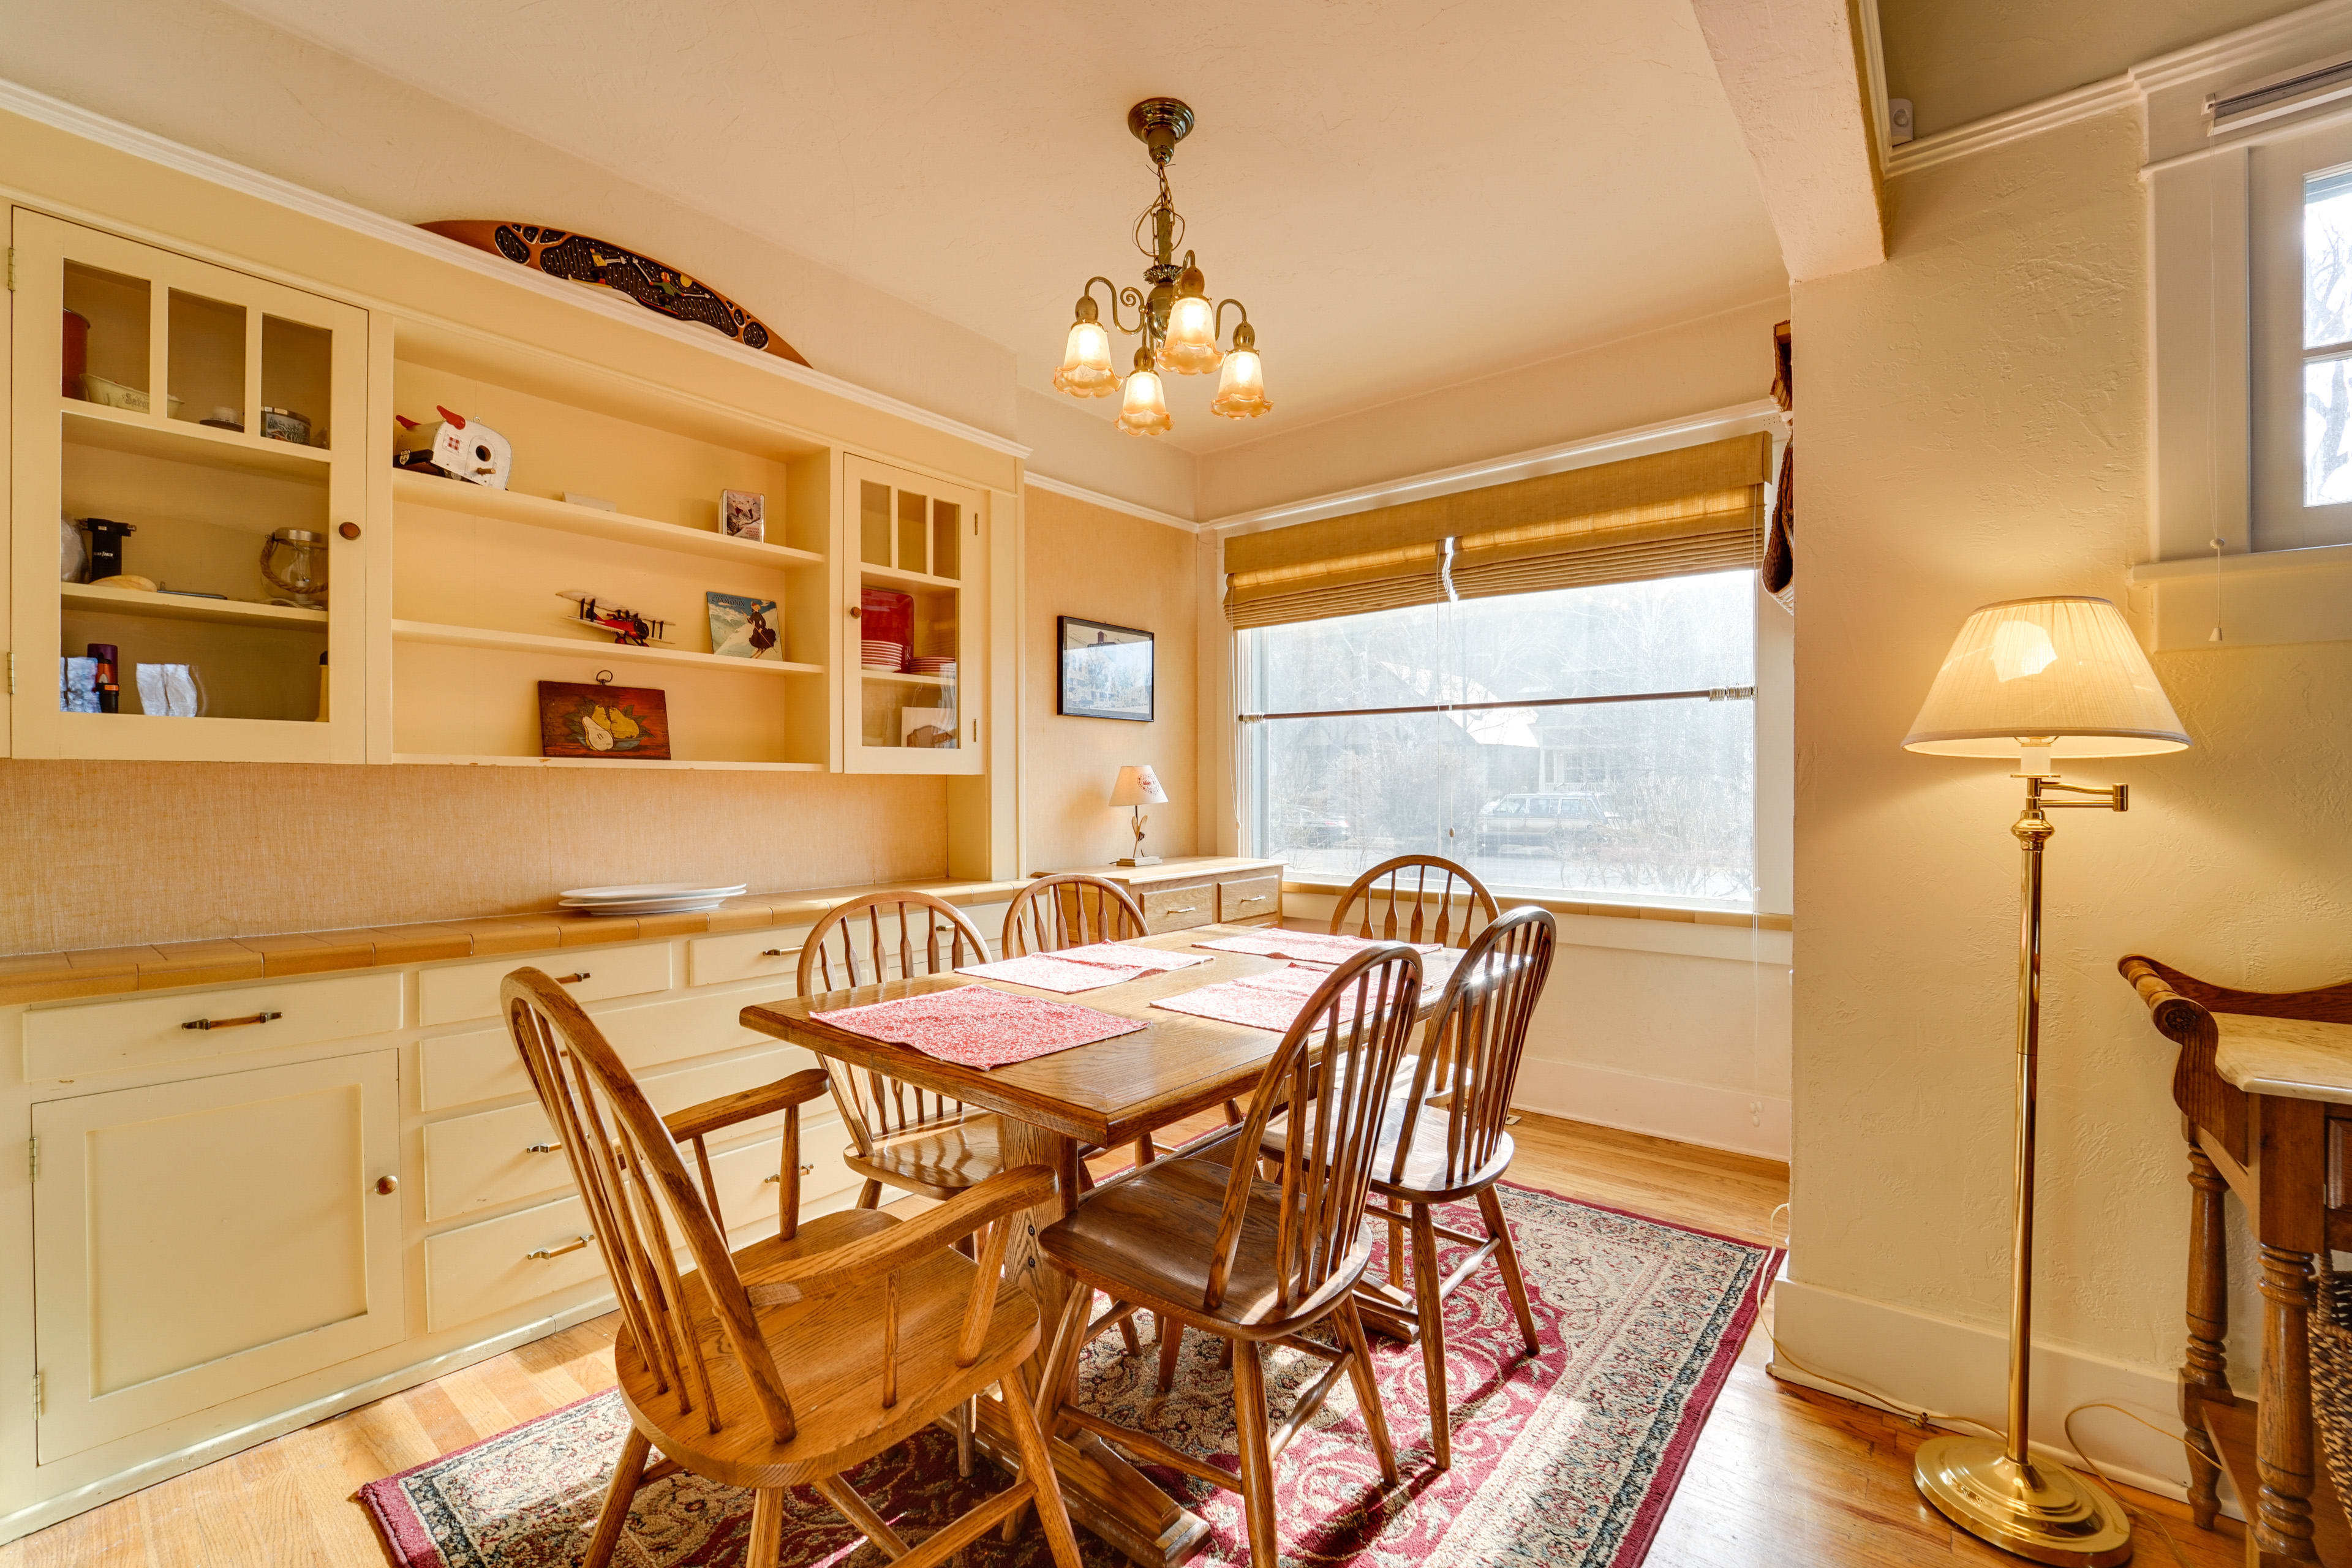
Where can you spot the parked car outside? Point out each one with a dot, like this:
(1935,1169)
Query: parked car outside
(1549,822)
(1312,830)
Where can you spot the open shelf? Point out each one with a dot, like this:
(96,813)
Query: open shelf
(686,764)
(183,607)
(581,648)
(908,677)
(185,441)
(541,511)
(904,579)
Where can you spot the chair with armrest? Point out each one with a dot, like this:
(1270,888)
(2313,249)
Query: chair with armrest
(885,1327)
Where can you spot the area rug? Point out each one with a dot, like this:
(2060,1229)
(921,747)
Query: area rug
(1567,1459)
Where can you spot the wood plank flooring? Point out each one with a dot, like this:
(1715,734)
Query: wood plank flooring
(1781,1475)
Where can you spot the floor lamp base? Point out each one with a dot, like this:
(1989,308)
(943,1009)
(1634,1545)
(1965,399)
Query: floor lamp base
(2042,1510)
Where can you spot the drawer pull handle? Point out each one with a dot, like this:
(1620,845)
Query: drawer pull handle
(544,1253)
(1183,908)
(1258,899)
(231,1023)
(571,979)
(777,1180)
(541,1148)
(772,952)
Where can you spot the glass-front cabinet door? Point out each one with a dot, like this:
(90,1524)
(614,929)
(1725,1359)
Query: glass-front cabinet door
(913,544)
(187,492)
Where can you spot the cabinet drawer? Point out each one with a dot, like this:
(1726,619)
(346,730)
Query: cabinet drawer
(493,1156)
(481,1064)
(1249,899)
(1178,909)
(151,1032)
(747,955)
(465,991)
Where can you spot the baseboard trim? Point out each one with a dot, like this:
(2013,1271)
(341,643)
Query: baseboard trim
(1958,1371)
(1738,1121)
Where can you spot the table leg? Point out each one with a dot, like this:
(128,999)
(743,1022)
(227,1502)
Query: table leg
(1106,1494)
(2283,1456)
(2205,1369)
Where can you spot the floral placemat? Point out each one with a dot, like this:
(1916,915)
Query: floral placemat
(979,1026)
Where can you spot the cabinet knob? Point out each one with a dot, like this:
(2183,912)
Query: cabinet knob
(571,979)
(857,611)
(387,1186)
(349,530)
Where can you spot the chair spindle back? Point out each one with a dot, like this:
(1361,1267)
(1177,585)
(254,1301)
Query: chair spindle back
(641,1205)
(867,941)
(1415,899)
(1480,1032)
(1071,909)
(1331,1074)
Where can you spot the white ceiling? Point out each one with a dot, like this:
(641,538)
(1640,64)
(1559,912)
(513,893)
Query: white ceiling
(1404,195)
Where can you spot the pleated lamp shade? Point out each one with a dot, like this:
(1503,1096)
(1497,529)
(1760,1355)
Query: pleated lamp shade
(2065,673)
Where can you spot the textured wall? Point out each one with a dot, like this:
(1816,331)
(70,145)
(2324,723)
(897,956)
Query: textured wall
(1973,428)
(110,853)
(1110,567)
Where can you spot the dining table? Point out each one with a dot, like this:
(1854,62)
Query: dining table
(1050,1107)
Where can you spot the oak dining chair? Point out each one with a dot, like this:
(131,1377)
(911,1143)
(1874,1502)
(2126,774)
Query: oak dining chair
(1415,898)
(1203,1241)
(1444,1134)
(885,1327)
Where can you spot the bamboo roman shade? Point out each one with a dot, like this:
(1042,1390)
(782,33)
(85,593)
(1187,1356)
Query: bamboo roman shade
(1696,508)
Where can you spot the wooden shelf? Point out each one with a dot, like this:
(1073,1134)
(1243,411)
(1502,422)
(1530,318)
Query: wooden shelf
(541,511)
(185,441)
(908,677)
(581,648)
(91,596)
(689,764)
(892,575)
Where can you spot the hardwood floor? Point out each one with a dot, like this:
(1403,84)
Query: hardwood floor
(1781,1475)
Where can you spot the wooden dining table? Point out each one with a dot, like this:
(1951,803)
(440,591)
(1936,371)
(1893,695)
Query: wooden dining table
(1101,1095)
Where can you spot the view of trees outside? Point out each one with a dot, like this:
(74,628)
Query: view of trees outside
(1655,798)
(2326,322)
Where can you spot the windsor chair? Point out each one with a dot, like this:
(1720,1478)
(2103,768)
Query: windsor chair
(1211,1245)
(1415,898)
(885,1327)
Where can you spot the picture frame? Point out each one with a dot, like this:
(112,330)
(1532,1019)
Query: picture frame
(742,627)
(1104,671)
(744,514)
(616,724)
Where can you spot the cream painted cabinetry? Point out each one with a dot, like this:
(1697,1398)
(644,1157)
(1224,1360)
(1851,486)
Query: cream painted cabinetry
(911,544)
(196,1240)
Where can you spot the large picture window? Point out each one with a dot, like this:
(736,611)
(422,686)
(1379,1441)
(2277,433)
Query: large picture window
(1644,799)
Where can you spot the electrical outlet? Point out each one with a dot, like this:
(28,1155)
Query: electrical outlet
(1756,1113)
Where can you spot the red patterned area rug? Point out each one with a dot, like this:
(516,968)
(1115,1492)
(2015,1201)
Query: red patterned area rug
(1565,1459)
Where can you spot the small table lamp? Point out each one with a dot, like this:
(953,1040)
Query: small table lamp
(2039,679)
(1138,787)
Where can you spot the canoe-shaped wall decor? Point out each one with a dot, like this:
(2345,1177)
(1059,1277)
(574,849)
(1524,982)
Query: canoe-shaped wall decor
(655,285)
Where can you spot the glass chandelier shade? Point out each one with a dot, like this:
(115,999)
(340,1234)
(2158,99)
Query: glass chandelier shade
(1144,410)
(1190,346)
(1241,389)
(1085,363)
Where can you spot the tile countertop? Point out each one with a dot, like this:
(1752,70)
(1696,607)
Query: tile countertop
(106,970)
(2294,1058)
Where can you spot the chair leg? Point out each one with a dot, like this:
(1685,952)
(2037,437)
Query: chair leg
(1257,1456)
(1171,1347)
(1396,1249)
(1368,1392)
(1127,1336)
(1491,1207)
(1144,1152)
(964,1414)
(1431,1311)
(1037,1467)
(767,1529)
(617,1497)
(870,1195)
(1233,1113)
(851,1506)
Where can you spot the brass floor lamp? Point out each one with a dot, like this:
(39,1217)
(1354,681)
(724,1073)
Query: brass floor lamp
(2037,678)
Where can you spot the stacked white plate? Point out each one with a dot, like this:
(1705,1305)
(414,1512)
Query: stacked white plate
(878,654)
(932,664)
(647,899)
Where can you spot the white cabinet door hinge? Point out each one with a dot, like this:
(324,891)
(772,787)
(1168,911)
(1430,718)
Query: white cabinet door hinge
(12,269)
(33,1158)
(11,673)
(37,1391)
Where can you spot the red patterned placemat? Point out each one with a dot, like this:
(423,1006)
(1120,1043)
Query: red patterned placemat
(1308,946)
(1126,955)
(979,1027)
(1052,971)
(1267,1001)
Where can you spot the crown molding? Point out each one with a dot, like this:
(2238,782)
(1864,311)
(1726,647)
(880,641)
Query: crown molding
(1108,502)
(1738,419)
(75,121)
(2014,125)
(2319,26)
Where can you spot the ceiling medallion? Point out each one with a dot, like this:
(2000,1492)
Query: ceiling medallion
(1178,324)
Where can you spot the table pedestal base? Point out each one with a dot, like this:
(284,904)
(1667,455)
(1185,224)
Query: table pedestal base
(1106,1495)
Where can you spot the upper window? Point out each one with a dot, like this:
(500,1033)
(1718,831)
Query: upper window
(2302,339)
(1618,800)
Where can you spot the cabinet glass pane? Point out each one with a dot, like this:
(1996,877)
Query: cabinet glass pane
(296,381)
(946,539)
(107,326)
(207,360)
(874,523)
(912,556)
(898,711)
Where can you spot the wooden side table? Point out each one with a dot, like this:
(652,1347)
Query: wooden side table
(1201,889)
(2265,1085)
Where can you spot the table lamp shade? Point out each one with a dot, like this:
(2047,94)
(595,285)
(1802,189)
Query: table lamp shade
(2062,672)
(1138,785)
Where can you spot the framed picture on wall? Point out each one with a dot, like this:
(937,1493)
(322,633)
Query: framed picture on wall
(1105,671)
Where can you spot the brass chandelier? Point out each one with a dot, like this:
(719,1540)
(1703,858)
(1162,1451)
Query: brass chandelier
(1178,326)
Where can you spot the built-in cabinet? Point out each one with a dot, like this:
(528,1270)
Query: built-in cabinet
(208,409)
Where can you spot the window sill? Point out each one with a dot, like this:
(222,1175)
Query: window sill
(2268,597)
(1627,911)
